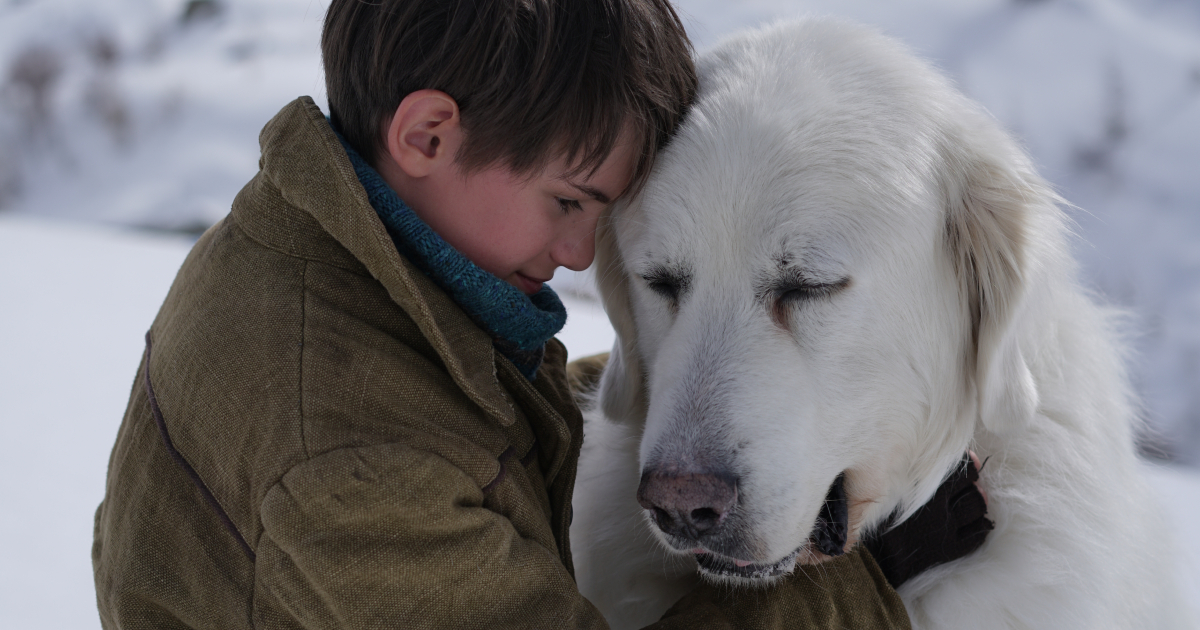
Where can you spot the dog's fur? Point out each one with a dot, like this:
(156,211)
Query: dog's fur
(870,278)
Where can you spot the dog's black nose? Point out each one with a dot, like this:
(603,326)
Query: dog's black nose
(688,505)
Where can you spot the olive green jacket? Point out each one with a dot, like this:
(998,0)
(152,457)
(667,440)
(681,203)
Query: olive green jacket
(319,437)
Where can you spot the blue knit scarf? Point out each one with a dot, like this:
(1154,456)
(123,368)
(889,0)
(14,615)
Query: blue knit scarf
(520,325)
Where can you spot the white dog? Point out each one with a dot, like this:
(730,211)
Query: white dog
(842,266)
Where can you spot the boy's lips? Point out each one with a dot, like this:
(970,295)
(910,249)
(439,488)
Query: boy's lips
(530,284)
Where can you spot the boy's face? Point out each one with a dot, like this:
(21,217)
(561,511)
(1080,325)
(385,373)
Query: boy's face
(522,228)
(517,226)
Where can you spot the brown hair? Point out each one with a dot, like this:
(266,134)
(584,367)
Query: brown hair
(534,79)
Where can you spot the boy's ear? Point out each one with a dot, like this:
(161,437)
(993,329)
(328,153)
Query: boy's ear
(424,133)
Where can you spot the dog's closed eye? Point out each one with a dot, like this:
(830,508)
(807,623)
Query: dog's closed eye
(808,290)
(795,291)
(668,284)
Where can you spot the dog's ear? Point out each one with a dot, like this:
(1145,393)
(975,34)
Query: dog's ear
(992,197)
(622,385)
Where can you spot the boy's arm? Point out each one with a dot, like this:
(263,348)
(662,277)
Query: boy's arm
(391,536)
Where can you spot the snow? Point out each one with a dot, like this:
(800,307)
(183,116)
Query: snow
(1178,489)
(76,302)
(124,113)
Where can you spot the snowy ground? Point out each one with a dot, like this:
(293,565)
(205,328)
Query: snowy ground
(76,302)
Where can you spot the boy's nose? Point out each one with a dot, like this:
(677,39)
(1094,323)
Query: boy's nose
(576,249)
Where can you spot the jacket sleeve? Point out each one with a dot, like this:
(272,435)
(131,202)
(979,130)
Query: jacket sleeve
(389,536)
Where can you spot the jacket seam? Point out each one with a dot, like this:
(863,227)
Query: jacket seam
(182,462)
(504,457)
(303,350)
(530,456)
(510,452)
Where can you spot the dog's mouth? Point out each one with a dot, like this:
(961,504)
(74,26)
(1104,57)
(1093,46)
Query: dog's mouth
(828,537)
(720,566)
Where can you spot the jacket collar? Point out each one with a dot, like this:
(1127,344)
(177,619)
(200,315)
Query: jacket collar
(303,158)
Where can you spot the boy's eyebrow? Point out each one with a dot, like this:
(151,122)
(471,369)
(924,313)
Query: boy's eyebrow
(591,191)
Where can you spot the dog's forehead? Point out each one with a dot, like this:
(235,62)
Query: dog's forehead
(792,204)
(825,148)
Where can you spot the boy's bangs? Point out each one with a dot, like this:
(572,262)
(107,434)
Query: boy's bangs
(586,145)
(589,81)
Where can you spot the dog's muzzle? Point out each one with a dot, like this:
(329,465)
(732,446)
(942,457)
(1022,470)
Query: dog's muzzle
(691,508)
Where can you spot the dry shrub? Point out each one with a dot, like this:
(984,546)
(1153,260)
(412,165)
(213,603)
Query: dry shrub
(10,178)
(200,11)
(102,97)
(33,76)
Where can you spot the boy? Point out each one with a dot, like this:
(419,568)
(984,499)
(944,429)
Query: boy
(351,411)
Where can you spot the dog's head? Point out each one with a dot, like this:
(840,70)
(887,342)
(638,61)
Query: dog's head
(816,293)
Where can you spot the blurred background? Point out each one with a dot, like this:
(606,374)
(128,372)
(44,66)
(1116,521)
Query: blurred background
(127,127)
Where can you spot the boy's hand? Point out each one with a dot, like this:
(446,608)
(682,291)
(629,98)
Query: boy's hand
(951,525)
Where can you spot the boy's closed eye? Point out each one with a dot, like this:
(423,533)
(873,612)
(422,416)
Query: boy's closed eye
(568,205)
